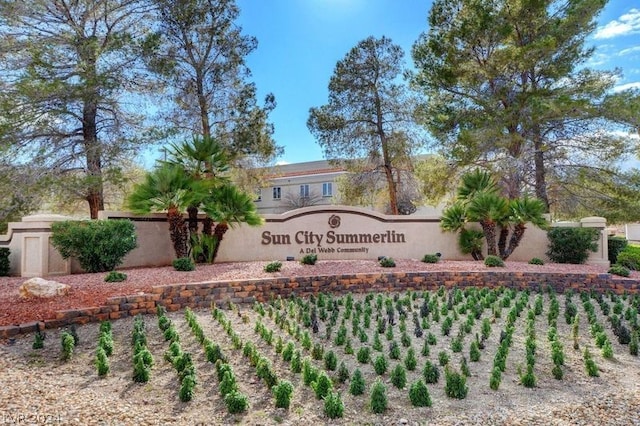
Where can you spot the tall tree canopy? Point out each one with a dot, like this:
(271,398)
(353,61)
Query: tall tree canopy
(369,115)
(506,88)
(199,51)
(67,70)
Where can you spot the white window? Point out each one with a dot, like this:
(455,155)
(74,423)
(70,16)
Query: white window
(304,191)
(327,189)
(277,192)
(258,195)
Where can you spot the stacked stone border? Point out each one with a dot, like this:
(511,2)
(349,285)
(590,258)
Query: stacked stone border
(201,295)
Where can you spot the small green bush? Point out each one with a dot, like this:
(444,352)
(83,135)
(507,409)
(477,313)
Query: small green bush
(273,266)
(378,398)
(330,361)
(5,266)
(430,258)
(364,355)
(322,385)
(419,394)
(187,388)
(357,385)
(630,258)
(343,373)
(115,277)
(571,245)
(38,340)
(455,384)
(430,372)
(380,365)
(184,264)
(68,344)
(536,261)
(493,261)
(309,259)
(410,361)
(619,270)
(387,262)
(399,376)
(615,245)
(141,371)
(443,358)
(283,392)
(102,362)
(99,245)
(333,405)
(236,402)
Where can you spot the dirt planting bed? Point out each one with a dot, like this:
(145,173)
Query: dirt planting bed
(39,386)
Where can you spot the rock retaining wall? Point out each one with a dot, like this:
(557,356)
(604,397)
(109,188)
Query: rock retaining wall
(201,295)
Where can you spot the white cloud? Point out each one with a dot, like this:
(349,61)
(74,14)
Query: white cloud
(629,50)
(282,163)
(622,87)
(627,24)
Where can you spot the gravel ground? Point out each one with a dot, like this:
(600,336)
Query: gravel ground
(37,387)
(90,289)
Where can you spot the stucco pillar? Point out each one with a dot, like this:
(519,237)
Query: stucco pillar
(601,256)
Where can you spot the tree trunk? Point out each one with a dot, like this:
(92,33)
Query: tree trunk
(193,220)
(207,226)
(178,232)
(541,173)
(489,229)
(502,240)
(219,232)
(92,148)
(514,241)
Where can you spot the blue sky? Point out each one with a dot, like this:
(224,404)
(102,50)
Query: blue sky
(300,41)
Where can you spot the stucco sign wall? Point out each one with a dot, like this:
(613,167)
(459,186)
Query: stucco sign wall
(337,233)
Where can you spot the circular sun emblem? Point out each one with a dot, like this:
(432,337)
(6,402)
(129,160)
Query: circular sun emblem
(334,221)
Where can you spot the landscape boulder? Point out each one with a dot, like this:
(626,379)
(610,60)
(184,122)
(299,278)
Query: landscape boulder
(39,287)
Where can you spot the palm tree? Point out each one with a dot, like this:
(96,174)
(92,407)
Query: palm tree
(475,182)
(522,211)
(202,158)
(488,208)
(227,205)
(470,242)
(167,188)
(453,220)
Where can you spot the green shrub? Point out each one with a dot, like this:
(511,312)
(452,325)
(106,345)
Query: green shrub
(633,344)
(283,392)
(364,355)
(296,362)
(528,379)
(99,245)
(615,245)
(419,394)
(619,270)
(273,266)
(309,259)
(380,365)
(330,361)
(187,387)
(474,351)
(102,362)
(630,258)
(38,340)
(430,372)
(399,376)
(430,258)
(141,371)
(5,266)
(410,361)
(378,398)
(443,358)
(68,344)
(455,384)
(184,264)
(590,365)
(309,372)
(343,373)
(493,261)
(495,379)
(322,385)
(333,405)
(571,245)
(236,402)
(357,385)
(387,262)
(115,277)
(536,261)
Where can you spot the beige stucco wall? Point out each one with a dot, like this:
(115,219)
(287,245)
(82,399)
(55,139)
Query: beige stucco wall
(365,234)
(296,233)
